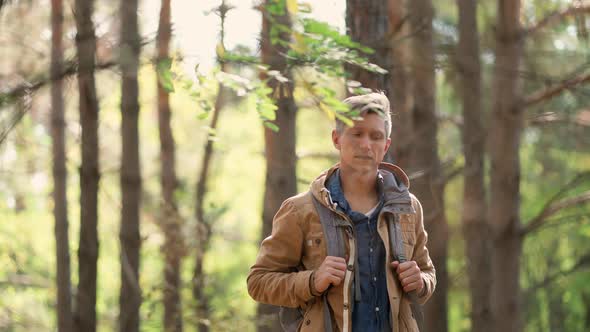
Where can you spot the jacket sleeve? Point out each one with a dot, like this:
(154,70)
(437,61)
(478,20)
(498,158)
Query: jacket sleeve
(274,279)
(421,255)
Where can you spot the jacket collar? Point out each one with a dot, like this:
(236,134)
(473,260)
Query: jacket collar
(395,185)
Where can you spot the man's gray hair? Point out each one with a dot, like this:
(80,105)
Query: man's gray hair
(372,102)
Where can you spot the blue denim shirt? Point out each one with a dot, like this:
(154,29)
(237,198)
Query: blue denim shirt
(371,313)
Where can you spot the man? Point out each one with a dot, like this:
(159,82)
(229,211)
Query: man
(367,289)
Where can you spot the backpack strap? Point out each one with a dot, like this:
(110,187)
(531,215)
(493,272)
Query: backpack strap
(332,226)
(398,254)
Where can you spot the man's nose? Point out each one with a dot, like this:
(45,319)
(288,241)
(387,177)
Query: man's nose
(365,142)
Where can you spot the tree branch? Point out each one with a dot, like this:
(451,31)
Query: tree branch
(553,206)
(582,118)
(582,262)
(552,91)
(557,16)
(70,69)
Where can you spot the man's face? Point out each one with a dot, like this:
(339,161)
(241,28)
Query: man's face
(362,146)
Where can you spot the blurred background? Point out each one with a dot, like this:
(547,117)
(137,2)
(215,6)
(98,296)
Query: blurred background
(146,145)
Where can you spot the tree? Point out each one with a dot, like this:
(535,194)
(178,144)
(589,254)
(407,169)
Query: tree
(429,186)
(367,23)
(173,248)
(505,130)
(474,222)
(60,201)
(204,221)
(400,90)
(130,294)
(279,145)
(85,317)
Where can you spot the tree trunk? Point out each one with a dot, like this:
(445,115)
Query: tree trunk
(475,226)
(204,225)
(85,317)
(170,219)
(400,91)
(504,135)
(429,187)
(279,146)
(60,201)
(130,295)
(368,24)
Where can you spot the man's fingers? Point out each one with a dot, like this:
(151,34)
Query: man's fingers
(335,280)
(335,259)
(409,272)
(411,279)
(412,286)
(335,262)
(336,272)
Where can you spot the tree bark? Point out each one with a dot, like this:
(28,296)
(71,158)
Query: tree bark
(400,90)
(65,321)
(475,226)
(504,144)
(280,153)
(203,225)
(367,23)
(130,294)
(173,248)
(85,316)
(429,188)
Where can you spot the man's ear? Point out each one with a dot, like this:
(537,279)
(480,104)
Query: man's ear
(387,144)
(336,139)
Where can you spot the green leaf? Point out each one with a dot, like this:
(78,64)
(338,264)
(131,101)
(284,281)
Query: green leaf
(271,126)
(203,116)
(165,74)
(346,120)
(267,111)
(292,7)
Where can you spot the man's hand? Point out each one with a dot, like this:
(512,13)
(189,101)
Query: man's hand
(331,271)
(409,276)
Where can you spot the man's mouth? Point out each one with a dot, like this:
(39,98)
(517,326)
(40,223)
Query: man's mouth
(364,157)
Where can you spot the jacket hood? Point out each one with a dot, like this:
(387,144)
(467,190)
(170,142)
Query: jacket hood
(395,181)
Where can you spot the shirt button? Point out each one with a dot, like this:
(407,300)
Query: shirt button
(376,308)
(374,278)
(371,249)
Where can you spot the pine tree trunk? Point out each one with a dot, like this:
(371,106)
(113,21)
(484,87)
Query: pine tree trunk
(170,219)
(367,23)
(429,187)
(400,91)
(60,201)
(85,317)
(204,225)
(475,226)
(130,294)
(504,144)
(279,147)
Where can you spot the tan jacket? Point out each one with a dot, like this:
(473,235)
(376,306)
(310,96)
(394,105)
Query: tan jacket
(287,258)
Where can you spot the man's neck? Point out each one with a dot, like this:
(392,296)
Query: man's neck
(359,188)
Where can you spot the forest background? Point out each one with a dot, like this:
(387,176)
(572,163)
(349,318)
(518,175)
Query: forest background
(145,146)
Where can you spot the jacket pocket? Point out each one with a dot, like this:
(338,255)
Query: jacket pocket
(315,249)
